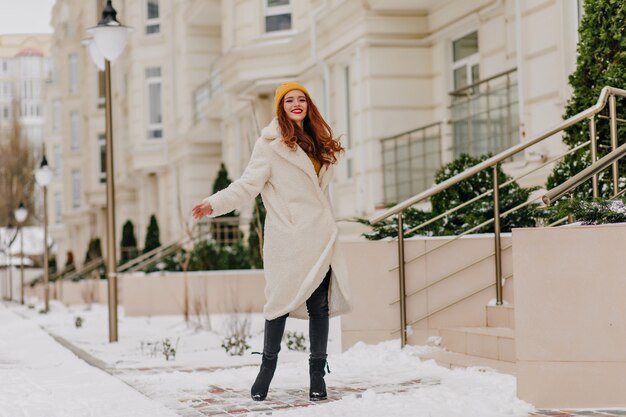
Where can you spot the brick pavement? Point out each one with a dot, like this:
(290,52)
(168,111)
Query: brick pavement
(227,402)
(224,402)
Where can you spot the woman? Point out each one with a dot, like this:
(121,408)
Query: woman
(305,274)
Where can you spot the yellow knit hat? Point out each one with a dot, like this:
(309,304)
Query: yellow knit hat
(284,89)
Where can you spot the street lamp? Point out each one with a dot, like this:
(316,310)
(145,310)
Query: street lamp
(11,236)
(109,40)
(21,213)
(6,240)
(94,53)
(43,176)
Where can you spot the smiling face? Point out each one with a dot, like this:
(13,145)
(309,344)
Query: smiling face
(295,106)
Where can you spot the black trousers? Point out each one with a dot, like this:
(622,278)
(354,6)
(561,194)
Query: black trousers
(317,307)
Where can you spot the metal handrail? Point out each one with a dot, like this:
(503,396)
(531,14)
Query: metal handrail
(139,259)
(601,164)
(88,267)
(502,156)
(489,192)
(465,297)
(607,93)
(162,254)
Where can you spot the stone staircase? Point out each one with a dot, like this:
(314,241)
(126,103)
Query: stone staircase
(491,346)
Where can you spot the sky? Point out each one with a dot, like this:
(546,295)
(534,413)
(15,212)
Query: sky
(25,16)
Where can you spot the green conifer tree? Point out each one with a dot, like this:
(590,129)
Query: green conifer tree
(469,216)
(128,245)
(94,250)
(256,228)
(601,61)
(152,235)
(220,232)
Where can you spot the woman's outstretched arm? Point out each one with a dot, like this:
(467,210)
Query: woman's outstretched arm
(242,190)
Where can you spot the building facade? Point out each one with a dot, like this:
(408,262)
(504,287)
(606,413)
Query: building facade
(406,85)
(159,142)
(471,76)
(24,69)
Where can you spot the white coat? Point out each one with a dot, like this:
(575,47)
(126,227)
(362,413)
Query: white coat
(300,234)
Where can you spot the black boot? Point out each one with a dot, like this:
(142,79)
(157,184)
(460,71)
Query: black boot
(316,373)
(271,347)
(264,378)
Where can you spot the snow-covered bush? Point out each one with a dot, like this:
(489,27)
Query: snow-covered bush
(295,341)
(168,350)
(235,345)
(237,334)
(151,349)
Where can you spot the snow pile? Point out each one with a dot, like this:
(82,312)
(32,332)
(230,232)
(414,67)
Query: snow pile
(39,378)
(378,371)
(195,347)
(375,380)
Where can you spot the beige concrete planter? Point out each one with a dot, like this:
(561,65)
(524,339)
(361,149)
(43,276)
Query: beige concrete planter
(570,315)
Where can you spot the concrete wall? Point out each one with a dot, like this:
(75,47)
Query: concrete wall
(570,316)
(209,292)
(375,283)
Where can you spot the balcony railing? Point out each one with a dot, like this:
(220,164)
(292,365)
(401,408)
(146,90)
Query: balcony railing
(410,161)
(484,116)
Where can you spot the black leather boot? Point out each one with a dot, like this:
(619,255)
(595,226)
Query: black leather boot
(271,347)
(264,378)
(317,391)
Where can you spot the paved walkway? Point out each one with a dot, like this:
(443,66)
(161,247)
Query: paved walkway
(225,402)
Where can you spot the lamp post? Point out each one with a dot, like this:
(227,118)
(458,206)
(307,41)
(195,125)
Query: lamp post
(5,241)
(109,40)
(43,176)
(10,267)
(21,213)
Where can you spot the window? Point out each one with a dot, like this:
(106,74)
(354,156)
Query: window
(200,101)
(5,113)
(75,188)
(50,69)
(348,109)
(56,154)
(465,59)
(56,115)
(155,117)
(277,15)
(73,71)
(153,23)
(58,207)
(75,130)
(5,65)
(101,89)
(103,157)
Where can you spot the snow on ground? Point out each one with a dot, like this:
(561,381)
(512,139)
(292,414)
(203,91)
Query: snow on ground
(196,347)
(442,393)
(39,378)
(376,369)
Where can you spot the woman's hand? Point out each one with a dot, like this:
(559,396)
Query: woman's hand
(201,209)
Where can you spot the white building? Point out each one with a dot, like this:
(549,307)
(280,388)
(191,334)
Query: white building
(196,84)
(379,68)
(24,68)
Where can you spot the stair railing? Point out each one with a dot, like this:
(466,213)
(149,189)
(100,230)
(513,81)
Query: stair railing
(607,94)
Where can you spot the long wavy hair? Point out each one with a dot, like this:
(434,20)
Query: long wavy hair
(316,136)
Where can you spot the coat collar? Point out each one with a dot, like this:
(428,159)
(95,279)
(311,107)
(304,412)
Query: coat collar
(298,157)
